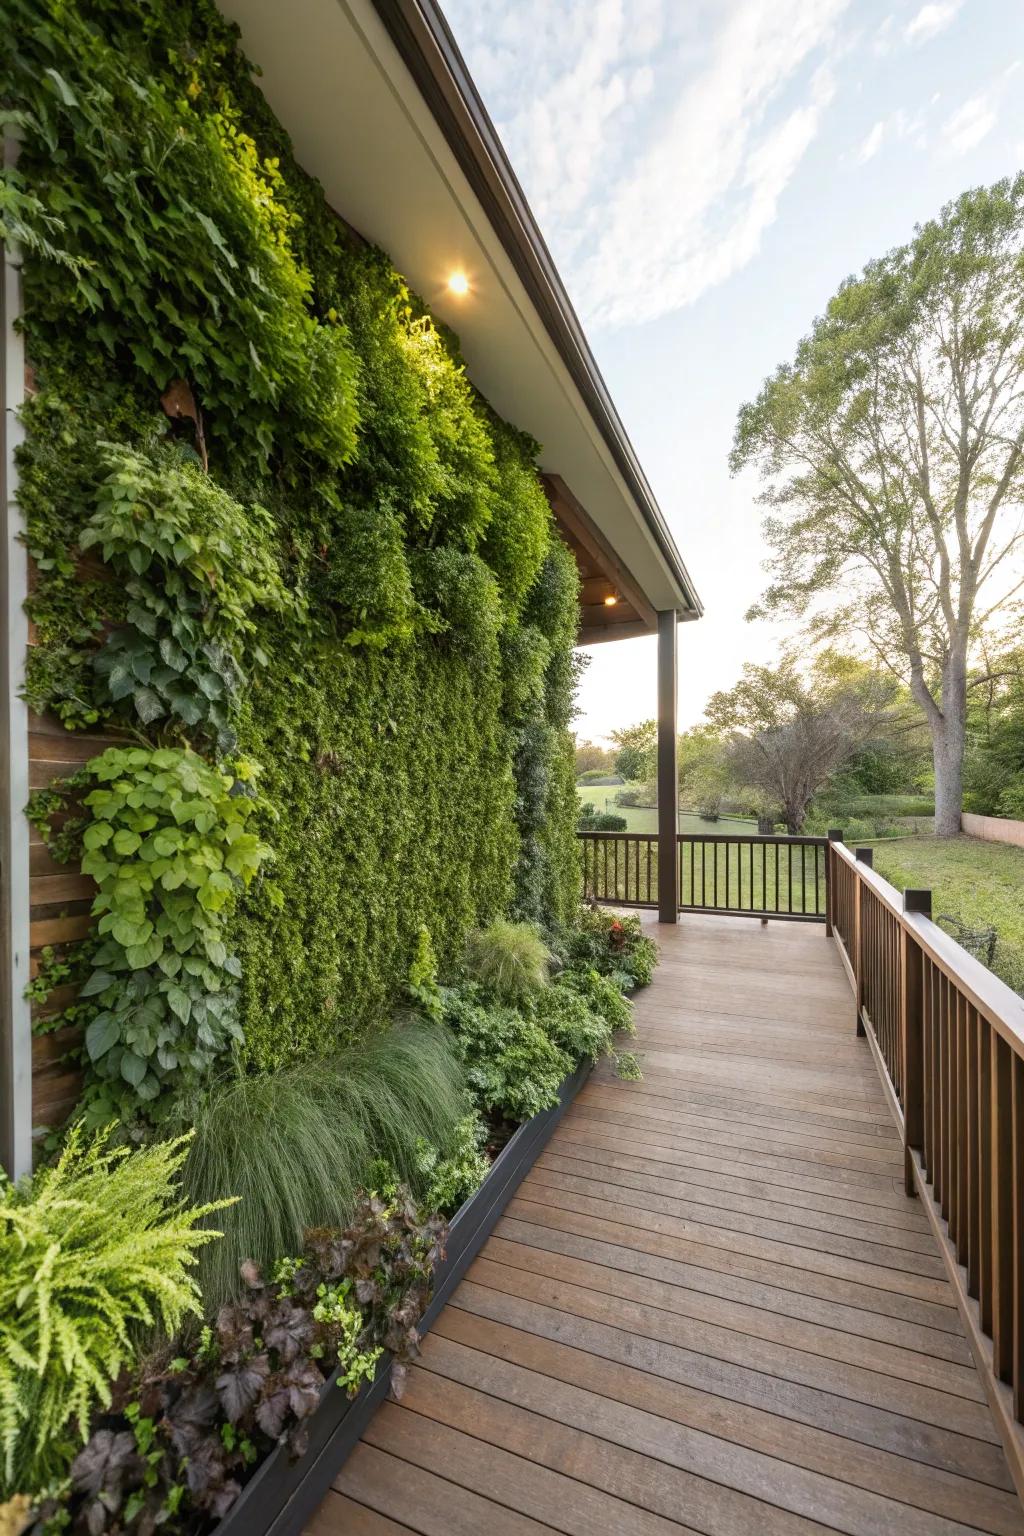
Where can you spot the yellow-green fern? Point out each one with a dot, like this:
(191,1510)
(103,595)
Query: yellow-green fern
(89,1248)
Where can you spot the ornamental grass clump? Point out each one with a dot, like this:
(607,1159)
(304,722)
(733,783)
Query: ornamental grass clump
(91,1249)
(296,1145)
(510,961)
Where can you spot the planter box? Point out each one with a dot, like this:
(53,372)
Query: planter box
(284,1493)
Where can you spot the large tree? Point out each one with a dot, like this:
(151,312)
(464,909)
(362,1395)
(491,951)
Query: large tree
(789,728)
(891,454)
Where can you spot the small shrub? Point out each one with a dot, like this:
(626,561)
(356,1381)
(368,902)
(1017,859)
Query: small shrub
(89,1248)
(297,1144)
(422,983)
(567,1018)
(590,820)
(611,945)
(509,960)
(450,1180)
(604,994)
(581,1011)
(512,1067)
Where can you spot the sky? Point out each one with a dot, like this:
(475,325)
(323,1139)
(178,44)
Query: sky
(706,173)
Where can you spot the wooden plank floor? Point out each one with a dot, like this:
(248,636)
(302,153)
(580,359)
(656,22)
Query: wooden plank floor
(710,1307)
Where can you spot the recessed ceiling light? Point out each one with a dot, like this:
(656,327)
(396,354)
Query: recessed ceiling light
(610,600)
(458,283)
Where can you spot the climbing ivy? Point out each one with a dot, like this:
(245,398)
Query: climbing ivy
(167,842)
(194,564)
(270,516)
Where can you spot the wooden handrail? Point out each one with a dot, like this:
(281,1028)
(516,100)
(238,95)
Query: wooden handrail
(948,1038)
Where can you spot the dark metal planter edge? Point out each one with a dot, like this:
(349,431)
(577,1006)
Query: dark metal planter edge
(285,1492)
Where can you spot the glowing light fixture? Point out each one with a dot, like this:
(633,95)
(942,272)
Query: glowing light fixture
(458,283)
(610,600)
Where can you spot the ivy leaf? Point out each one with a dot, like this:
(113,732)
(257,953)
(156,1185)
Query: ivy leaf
(210,684)
(101,1464)
(133,1068)
(148,705)
(120,682)
(99,981)
(143,620)
(173,654)
(179,1003)
(100,1035)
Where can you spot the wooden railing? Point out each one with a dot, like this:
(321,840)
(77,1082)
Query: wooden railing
(948,1037)
(778,877)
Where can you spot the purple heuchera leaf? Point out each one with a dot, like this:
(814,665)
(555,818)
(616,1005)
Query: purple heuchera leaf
(289,1331)
(240,1386)
(101,1464)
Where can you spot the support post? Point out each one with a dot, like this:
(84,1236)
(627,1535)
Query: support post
(912,1035)
(15,1010)
(668,781)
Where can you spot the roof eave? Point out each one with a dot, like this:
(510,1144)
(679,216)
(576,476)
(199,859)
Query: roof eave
(429,51)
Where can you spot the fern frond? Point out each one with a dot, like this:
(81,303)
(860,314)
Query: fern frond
(89,1248)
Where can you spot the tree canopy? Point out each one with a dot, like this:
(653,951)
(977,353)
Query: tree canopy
(789,729)
(636,753)
(891,451)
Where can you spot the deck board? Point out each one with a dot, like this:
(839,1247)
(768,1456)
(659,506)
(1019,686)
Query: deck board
(710,1306)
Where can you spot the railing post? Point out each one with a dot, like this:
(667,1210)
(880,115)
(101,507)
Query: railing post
(863,856)
(834,836)
(912,1035)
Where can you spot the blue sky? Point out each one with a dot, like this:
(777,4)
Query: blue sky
(706,173)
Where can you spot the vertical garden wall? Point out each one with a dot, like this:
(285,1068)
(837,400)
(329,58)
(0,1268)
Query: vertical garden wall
(284,556)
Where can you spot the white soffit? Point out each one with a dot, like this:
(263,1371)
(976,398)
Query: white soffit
(359,124)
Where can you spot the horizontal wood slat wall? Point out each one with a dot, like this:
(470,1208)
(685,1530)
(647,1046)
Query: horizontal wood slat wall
(61,900)
(948,1039)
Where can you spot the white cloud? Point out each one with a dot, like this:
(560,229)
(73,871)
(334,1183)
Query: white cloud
(872,144)
(930,20)
(969,124)
(655,141)
(898,127)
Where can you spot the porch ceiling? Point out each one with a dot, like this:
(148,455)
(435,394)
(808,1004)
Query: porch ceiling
(381,109)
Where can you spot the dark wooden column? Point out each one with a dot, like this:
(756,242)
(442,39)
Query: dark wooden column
(668,782)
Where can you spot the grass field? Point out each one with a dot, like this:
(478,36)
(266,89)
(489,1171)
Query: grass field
(642,818)
(978,882)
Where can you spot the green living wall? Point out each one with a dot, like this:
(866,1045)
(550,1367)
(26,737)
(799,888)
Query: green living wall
(278,535)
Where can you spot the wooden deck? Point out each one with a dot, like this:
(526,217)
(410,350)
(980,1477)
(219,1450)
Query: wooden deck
(711,1307)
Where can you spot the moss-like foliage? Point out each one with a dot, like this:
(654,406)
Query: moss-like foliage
(401,667)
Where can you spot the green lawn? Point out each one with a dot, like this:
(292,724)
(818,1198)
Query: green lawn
(642,818)
(980,883)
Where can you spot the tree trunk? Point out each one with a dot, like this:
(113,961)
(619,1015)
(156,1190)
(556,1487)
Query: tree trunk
(948,758)
(949,736)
